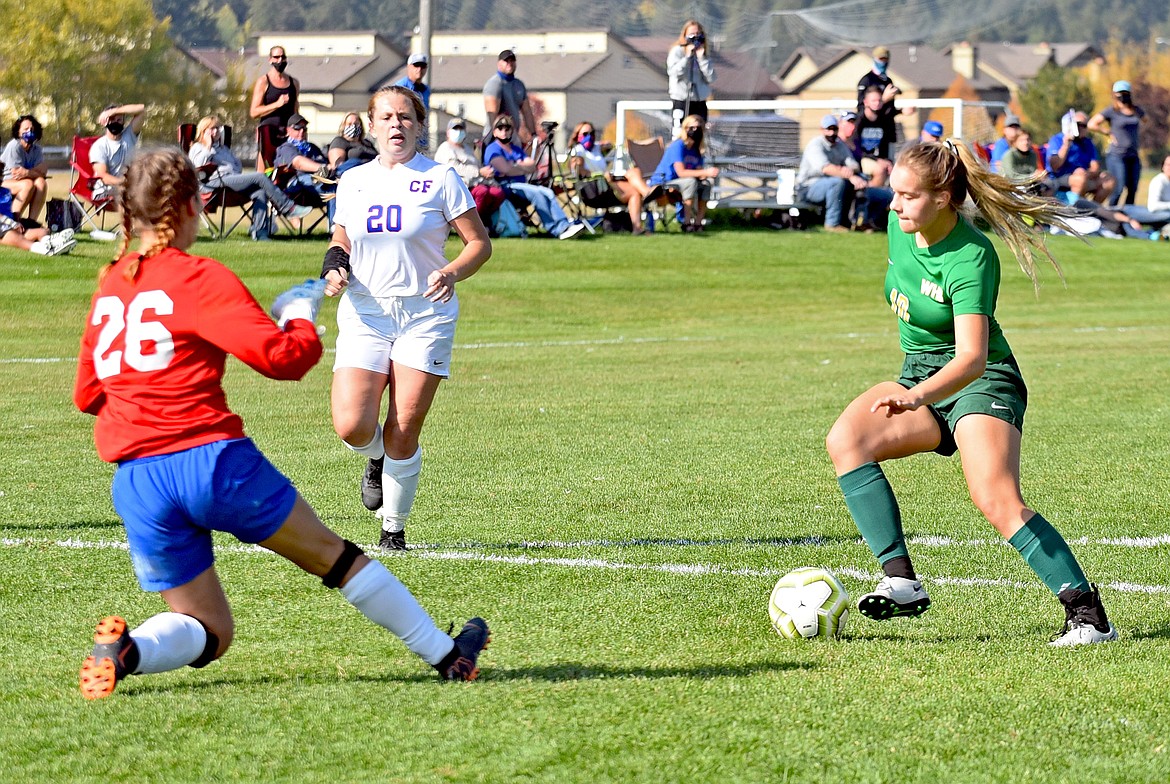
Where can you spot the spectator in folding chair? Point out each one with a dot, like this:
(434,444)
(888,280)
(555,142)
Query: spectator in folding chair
(302,164)
(25,169)
(111,153)
(682,167)
(38,241)
(456,153)
(226,171)
(510,165)
(598,188)
(350,147)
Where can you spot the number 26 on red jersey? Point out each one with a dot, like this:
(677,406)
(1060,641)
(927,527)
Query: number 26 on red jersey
(138,333)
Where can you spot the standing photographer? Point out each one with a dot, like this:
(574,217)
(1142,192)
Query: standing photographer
(690,73)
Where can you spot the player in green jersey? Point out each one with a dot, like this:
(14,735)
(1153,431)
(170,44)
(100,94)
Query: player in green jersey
(960,388)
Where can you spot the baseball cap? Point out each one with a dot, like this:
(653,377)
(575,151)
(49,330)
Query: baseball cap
(934,128)
(417,58)
(1121,86)
(1010,119)
(456,122)
(829,121)
(849,116)
(295,120)
(507,54)
(881,52)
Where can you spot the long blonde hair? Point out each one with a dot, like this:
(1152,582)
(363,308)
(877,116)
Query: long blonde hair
(159,185)
(202,126)
(682,34)
(1013,211)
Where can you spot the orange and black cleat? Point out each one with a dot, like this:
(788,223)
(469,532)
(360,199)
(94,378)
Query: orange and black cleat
(109,661)
(460,663)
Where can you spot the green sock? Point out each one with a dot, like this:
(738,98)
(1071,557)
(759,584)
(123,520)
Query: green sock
(871,502)
(1049,555)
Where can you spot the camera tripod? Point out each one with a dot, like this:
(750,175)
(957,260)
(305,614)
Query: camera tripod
(547,150)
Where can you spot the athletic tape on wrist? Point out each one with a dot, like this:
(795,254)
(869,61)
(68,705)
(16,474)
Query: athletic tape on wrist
(335,259)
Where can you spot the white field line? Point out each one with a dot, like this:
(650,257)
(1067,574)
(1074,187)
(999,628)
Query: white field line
(618,341)
(700,569)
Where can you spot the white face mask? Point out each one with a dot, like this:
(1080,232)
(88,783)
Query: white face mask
(456,135)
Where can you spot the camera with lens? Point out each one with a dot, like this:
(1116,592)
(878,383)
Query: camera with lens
(549,126)
(697,40)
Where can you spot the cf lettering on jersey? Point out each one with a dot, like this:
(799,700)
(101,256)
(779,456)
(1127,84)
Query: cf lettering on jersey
(420,186)
(932,290)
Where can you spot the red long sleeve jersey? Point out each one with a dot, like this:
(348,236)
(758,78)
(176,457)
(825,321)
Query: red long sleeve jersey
(153,353)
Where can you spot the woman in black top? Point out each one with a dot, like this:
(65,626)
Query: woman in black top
(274,101)
(350,146)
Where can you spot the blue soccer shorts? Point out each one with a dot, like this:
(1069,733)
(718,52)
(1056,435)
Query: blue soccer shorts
(170,504)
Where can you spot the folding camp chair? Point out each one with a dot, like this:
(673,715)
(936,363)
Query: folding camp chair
(646,155)
(82,182)
(216,200)
(306,197)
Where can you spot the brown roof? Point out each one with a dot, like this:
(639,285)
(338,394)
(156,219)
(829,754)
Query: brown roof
(316,74)
(923,67)
(1022,62)
(468,73)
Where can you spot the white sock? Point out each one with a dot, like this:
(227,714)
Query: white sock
(168,641)
(372,450)
(399,486)
(381,597)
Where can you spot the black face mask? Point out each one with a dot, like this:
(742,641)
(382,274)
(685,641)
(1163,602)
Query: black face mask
(1126,99)
(280,66)
(695,133)
(115,127)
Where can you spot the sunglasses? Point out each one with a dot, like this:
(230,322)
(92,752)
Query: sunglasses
(280,59)
(503,127)
(300,127)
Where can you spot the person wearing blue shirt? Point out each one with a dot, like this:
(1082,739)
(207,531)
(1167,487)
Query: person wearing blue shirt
(416,69)
(1072,162)
(511,165)
(682,167)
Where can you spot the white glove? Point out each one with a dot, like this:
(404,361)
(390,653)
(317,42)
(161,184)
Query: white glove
(302,301)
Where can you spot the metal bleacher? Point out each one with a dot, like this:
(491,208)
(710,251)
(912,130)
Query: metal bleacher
(749,148)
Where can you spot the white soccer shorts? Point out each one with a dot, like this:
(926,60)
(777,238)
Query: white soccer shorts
(412,331)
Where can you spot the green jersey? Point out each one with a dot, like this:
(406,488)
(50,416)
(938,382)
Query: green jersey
(928,287)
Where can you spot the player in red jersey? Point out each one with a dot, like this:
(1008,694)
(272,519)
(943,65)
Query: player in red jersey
(152,359)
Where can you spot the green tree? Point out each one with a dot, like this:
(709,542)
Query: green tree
(1052,92)
(75,57)
(192,22)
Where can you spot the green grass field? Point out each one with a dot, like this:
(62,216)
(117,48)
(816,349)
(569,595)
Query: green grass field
(627,457)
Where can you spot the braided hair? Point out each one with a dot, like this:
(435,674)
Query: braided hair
(159,185)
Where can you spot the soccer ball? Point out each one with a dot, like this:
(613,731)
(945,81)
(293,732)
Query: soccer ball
(808,603)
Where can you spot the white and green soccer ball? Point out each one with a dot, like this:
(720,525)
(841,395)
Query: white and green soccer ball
(808,603)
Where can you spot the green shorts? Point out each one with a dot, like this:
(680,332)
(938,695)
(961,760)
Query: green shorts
(1000,392)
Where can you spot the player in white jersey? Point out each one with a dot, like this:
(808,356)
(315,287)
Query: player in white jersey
(396,321)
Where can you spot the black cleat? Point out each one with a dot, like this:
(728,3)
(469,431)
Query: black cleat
(371,485)
(460,663)
(1085,621)
(392,540)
